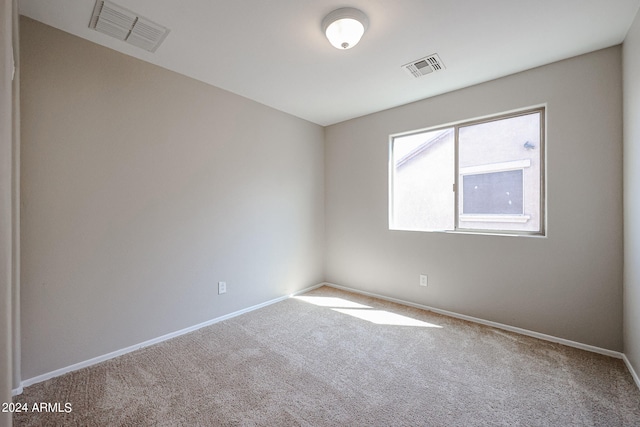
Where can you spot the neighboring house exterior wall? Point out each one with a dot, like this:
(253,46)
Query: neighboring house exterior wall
(422,200)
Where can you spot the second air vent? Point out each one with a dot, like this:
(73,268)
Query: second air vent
(128,26)
(423,66)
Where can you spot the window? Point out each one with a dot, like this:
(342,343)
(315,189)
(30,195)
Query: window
(478,176)
(495,193)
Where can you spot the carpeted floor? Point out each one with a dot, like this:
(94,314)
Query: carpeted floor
(332,358)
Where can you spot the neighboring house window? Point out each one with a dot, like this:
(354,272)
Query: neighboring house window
(479,176)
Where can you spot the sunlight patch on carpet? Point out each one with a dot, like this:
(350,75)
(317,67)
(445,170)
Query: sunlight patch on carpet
(331,302)
(382,317)
(365,312)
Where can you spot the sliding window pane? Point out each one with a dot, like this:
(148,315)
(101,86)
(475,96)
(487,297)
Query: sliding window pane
(422,178)
(499,174)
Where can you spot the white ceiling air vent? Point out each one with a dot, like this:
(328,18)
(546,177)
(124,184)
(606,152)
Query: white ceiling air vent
(121,23)
(423,66)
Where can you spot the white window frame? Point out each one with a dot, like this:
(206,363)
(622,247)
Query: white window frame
(496,167)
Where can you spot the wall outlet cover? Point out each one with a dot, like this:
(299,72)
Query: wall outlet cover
(423,280)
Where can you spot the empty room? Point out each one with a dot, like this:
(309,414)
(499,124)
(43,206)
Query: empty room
(320,213)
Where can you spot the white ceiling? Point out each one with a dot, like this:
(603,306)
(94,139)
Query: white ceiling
(274,51)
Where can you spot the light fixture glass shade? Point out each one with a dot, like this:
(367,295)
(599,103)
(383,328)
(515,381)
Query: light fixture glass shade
(344,27)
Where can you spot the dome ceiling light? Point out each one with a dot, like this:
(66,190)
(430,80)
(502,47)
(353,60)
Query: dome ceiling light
(344,27)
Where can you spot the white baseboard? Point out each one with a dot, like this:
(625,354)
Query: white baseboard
(502,326)
(631,370)
(99,359)
(17,391)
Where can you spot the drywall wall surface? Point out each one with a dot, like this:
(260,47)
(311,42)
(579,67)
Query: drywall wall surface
(141,189)
(15,202)
(631,84)
(6,207)
(568,284)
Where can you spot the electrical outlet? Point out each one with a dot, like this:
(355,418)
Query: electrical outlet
(222,287)
(423,280)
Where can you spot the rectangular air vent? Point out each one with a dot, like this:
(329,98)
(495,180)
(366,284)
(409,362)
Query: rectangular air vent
(125,25)
(423,66)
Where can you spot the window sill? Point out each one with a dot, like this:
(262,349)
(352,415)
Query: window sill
(518,219)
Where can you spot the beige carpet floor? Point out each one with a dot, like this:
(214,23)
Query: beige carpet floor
(332,358)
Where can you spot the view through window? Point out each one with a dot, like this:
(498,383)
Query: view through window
(483,175)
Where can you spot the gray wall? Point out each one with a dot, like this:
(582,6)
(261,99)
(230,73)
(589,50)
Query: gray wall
(568,284)
(631,71)
(8,11)
(141,189)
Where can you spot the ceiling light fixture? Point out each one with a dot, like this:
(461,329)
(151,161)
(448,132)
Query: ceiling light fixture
(344,27)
